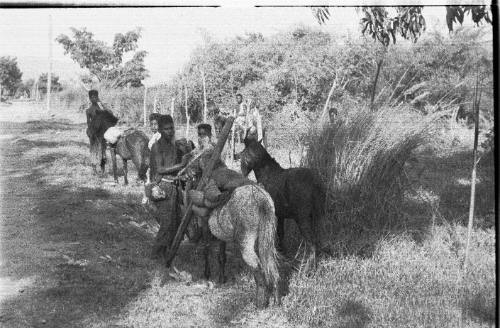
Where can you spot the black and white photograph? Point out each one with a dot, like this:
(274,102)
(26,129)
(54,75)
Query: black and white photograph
(248,164)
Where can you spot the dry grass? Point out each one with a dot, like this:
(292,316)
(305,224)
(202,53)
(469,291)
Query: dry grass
(403,284)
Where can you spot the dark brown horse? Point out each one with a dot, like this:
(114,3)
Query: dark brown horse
(297,193)
(132,145)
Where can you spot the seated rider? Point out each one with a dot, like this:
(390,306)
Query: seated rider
(222,181)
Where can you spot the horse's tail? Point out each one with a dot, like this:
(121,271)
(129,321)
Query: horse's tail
(266,237)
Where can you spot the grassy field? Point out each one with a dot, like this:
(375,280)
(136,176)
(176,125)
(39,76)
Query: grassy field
(75,250)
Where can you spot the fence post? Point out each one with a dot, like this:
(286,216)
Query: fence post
(49,74)
(145,109)
(475,106)
(204,98)
(155,103)
(187,113)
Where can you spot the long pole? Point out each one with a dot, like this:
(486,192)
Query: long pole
(170,254)
(473,177)
(204,97)
(155,103)
(231,144)
(49,75)
(145,111)
(172,103)
(187,113)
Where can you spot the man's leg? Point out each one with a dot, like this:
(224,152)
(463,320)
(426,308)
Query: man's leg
(169,221)
(102,158)
(94,153)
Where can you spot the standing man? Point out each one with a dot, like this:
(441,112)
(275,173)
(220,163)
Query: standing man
(166,159)
(241,117)
(96,130)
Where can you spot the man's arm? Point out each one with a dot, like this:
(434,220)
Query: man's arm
(175,168)
(152,162)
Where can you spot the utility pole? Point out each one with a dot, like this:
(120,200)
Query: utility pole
(187,112)
(204,97)
(145,110)
(49,75)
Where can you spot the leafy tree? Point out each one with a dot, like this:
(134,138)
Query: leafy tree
(10,75)
(408,23)
(456,14)
(105,62)
(54,86)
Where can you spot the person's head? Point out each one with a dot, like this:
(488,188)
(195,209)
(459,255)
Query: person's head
(204,134)
(166,127)
(153,121)
(239,98)
(332,113)
(94,96)
(219,124)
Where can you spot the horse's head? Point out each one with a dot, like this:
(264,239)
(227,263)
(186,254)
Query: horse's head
(252,156)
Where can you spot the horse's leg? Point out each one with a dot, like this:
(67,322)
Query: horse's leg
(206,235)
(247,248)
(280,232)
(113,161)
(125,170)
(221,260)
(304,221)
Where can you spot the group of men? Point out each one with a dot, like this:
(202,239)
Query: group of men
(168,157)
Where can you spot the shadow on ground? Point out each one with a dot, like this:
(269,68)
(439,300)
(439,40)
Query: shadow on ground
(85,260)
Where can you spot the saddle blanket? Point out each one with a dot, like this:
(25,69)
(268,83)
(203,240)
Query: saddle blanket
(113,134)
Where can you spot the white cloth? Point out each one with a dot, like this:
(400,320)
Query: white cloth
(154,139)
(113,134)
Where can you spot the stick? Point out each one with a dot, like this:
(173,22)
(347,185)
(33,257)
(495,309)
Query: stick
(187,113)
(155,103)
(473,178)
(49,74)
(145,109)
(172,103)
(325,108)
(172,251)
(204,98)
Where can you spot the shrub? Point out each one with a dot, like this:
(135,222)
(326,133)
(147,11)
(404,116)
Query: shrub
(361,157)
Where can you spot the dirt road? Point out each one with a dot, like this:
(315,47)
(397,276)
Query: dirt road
(75,248)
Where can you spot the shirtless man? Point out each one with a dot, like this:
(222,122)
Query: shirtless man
(166,159)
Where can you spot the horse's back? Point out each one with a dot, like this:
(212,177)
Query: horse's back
(132,143)
(241,213)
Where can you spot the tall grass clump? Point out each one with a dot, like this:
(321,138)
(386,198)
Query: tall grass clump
(361,158)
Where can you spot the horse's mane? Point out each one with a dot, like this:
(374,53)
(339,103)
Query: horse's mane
(106,116)
(102,121)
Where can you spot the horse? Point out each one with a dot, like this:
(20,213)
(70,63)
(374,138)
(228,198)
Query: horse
(248,220)
(131,145)
(298,193)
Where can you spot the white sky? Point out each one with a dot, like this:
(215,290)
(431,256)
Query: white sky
(169,34)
